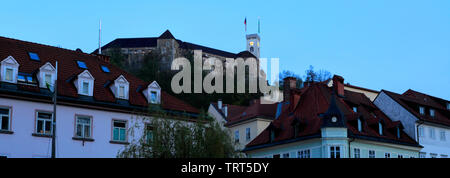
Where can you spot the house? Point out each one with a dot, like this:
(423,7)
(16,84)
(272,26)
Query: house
(425,118)
(245,122)
(170,48)
(97,103)
(331,122)
(371,94)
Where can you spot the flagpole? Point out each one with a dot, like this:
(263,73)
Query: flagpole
(55,94)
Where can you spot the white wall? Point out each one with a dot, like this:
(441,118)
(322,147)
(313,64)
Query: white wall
(22,144)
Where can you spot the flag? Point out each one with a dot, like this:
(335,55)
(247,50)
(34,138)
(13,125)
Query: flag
(245,23)
(259,25)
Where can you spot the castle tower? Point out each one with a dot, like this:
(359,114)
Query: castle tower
(253,44)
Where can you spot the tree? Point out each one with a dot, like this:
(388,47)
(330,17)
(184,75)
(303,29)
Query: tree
(170,138)
(287,73)
(316,76)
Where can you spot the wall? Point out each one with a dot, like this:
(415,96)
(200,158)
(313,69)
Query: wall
(22,144)
(256,126)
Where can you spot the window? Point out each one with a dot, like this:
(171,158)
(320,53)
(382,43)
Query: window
(119,131)
(400,156)
(335,152)
(48,79)
(105,69)
(44,123)
(421,132)
(9,74)
(85,88)
(443,135)
(355,109)
(33,56)
(153,97)
(398,132)
(286,155)
(432,136)
(357,153)
(444,156)
(422,155)
(236,136)
(276,156)
(448,106)
(83,127)
(433,155)
(4,118)
(432,112)
(122,92)
(387,155)
(371,153)
(272,135)
(422,110)
(81,64)
(380,128)
(304,154)
(359,125)
(148,133)
(247,134)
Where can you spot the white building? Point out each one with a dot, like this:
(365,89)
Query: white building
(425,118)
(97,103)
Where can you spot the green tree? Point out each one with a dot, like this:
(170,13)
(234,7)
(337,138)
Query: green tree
(170,138)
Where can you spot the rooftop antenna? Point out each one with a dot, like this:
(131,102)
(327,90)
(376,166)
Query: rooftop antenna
(100,38)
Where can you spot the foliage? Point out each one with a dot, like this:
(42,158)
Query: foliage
(180,139)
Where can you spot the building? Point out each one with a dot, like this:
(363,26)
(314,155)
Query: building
(170,48)
(425,118)
(245,122)
(98,103)
(371,94)
(331,122)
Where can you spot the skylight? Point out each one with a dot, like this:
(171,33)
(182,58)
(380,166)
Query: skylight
(34,56)
(105,69)
(81,64)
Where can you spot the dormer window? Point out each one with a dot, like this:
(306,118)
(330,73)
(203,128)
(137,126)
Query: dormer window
(9,70)
(85,88)
(380,128)
(46,75)
(359,125)
(9,74)
(432,112)
(121,87)
(422,110)
(85,83)
(153,93)
(448,106)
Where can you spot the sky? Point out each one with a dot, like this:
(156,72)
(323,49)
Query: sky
(376,44)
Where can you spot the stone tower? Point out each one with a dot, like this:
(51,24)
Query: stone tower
(253,44)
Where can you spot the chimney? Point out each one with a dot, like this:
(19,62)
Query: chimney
(219,104)
(225,110)
(289,83)
(338,85)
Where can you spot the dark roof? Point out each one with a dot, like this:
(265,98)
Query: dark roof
(307,108)
(411,100)
(255,110)
(166,35)
(68,70)
(233,110)
(152,42)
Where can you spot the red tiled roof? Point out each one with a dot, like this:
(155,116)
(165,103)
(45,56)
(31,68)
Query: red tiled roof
(314,100)
(256,109)
(411,100)
(232,110)
(68,69)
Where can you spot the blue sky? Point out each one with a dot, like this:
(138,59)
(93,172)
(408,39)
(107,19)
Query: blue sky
(378,44)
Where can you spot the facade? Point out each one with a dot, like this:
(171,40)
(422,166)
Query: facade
(170,48)
(97,103)
(426,119)
(331,122)
(245,122)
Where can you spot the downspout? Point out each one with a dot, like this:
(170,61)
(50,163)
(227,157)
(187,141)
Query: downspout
(349,142)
